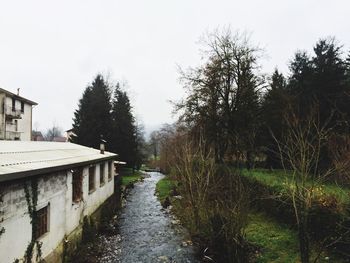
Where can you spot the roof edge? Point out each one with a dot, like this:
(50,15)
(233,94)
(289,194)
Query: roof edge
(30,173)
(18,97)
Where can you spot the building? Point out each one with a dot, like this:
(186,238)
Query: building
(37,136)
(69,135)
(15,116)
(68,181)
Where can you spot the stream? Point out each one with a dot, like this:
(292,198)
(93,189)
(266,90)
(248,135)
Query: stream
(148,233)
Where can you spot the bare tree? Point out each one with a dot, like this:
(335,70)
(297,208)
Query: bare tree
(54,131)
(215,198)
(300,150)
(223,94)
(195,170)
(154,144)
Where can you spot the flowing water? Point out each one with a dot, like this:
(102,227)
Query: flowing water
(148,233)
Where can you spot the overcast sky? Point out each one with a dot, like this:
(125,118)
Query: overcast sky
(51,50)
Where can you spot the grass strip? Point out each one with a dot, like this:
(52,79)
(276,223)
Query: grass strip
(279,181)
(275,242)
(164,188)
(129,176)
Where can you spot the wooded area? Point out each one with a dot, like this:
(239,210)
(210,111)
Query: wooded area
(235,119)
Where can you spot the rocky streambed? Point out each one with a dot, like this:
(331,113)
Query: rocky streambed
(147,233)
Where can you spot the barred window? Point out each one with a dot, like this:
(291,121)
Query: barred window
(102,174)
(77,185)
(92,178)
(110,170)
(42,225)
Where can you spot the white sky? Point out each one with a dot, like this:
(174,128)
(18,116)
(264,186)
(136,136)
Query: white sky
(51,50)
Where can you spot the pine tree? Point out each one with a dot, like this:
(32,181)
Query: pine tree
(93,119)
(274,106)
(320,81)
(124,129)
(329,80)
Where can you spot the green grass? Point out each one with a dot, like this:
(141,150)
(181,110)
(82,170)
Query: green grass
(130,176)
(279,181)
(164,187)
(276,242)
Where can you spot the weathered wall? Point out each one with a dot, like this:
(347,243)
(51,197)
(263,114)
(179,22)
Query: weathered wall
(16,223)
(25,123)
(2,116)
(65,216)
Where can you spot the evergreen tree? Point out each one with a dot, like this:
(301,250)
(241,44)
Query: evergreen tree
(274,105)
(124,129)
(300,82)
(93,119)
(329,81)
(320,81)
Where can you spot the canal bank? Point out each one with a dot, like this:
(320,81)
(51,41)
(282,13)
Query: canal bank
(142,231)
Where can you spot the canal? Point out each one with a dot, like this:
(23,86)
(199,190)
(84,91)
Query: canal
(148,233)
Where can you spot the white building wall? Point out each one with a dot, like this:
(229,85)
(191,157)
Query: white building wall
(16,222)
(24,124)
(74,211)
(54,190)
(97,197)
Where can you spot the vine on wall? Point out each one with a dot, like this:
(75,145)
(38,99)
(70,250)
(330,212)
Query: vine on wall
(31,194)
(2,229)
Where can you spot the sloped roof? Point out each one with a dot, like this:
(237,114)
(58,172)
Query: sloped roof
(18,97)
(20,159)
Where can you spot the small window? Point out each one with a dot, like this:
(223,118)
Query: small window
(43,222)
(77,185)
(102,174)
(22,106)
(16,125)
(92,178)
(110,170)
(13,104)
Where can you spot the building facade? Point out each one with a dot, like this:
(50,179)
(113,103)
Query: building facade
(15,116)
(68,181)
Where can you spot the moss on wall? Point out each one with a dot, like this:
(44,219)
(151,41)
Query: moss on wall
(87,229)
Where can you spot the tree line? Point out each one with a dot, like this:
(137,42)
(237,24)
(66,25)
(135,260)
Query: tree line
(105,113)
(241,111)
(234,116)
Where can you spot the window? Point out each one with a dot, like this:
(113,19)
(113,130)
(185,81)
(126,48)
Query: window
(102,174)
(22,106)
(13,104)
(16,125)
(77,185)
(110,170)
(43,224)
(92,178)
